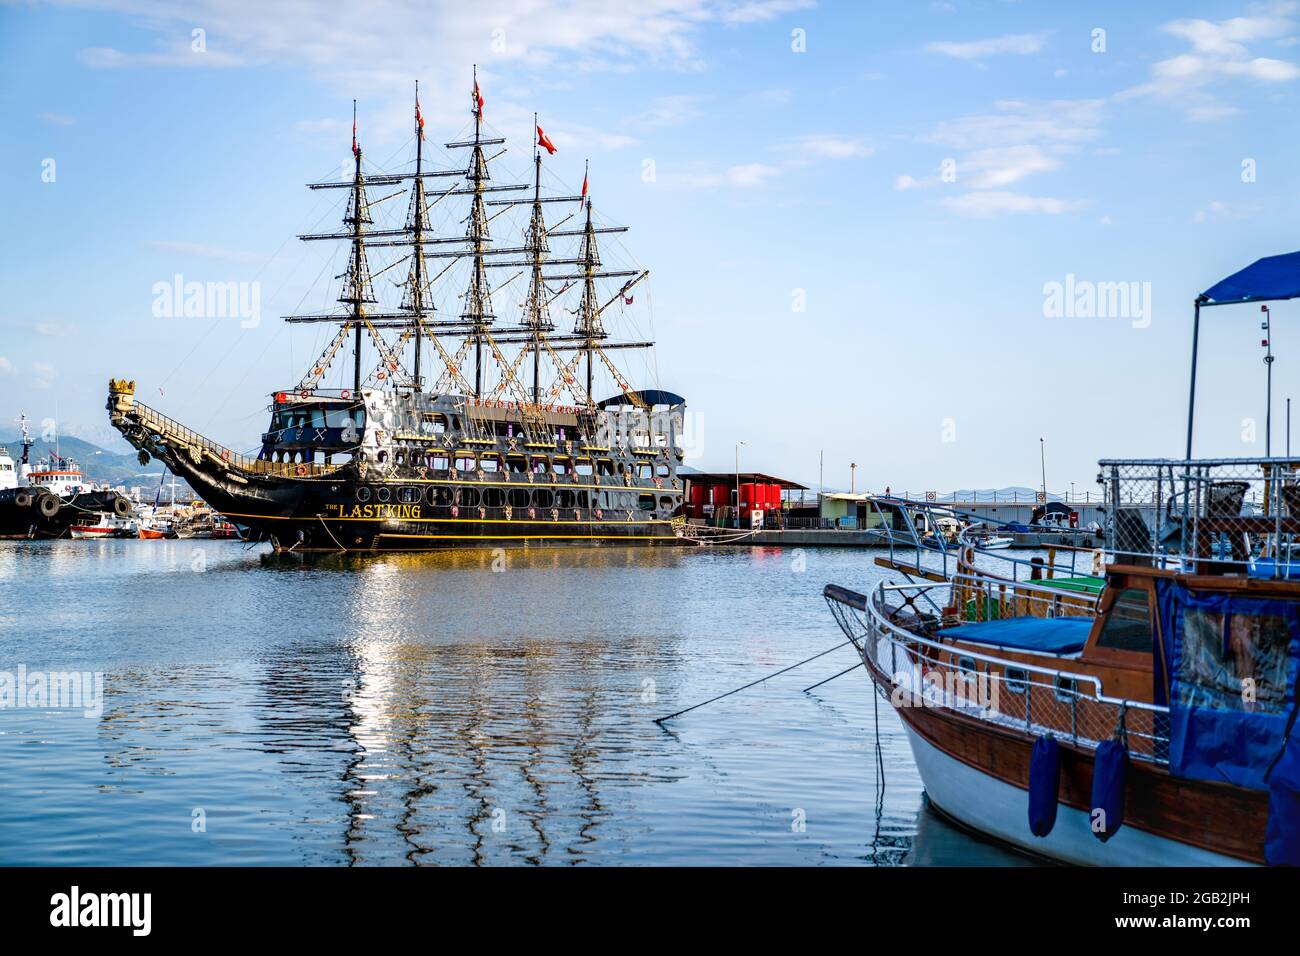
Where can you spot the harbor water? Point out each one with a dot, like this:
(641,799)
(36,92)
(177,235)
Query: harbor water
(455,708)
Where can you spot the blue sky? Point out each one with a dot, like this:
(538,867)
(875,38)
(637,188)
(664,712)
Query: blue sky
(915,174)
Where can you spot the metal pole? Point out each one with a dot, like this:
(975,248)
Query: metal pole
(1268,364)
(1191,397)
(1288,428)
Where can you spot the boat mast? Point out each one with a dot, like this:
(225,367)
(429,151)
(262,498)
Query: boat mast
(478,308)
(418,221)
(538,318)
(589,309)
(357,288)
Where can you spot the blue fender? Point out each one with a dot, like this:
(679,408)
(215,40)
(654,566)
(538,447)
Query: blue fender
(1044,785)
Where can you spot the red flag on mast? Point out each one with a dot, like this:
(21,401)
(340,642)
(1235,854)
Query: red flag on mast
(584,185)
(356,150)
(419,118)
(478,98)
(544,141)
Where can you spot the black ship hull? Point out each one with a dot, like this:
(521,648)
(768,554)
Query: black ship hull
(344,512)
(32,512)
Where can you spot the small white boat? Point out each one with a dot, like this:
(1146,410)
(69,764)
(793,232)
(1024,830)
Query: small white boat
(995,543)
(100,525)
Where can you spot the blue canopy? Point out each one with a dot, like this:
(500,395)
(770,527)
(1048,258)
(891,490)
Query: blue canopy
(1048,635)
(1273,277)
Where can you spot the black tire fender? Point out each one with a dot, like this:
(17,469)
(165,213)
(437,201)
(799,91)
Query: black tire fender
(49,505)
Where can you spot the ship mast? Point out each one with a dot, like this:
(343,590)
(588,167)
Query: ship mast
(417,221)
(537,313)
(357,289)
(478,304)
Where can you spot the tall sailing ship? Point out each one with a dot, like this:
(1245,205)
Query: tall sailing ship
(466,430)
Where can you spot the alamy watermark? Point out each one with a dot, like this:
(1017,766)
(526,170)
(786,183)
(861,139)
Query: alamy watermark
(208,300)
(76,690)
(1083,299)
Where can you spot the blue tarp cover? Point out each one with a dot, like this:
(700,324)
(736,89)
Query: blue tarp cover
(1050,635)
(1218,646)
(1273,277)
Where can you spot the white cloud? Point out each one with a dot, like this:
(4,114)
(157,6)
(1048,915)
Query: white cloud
(750,175)
(993,203)
(55,330)
(57,119)
(1021,121)
(201,251)
(1016,43)
(1218,55)
(825,146)
(905,182)
(755,11)
(6,366)
(43,375)
(1002,166)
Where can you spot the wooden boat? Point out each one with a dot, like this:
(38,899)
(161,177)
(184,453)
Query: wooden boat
(987,672)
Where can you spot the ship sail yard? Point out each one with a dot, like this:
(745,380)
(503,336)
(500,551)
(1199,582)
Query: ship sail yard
(498,437)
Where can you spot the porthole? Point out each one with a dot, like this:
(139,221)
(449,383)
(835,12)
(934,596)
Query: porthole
(383,495)
(468,497)
(408,496)
(363,493)
(1015,679)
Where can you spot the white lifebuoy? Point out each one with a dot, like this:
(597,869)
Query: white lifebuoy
(345,394)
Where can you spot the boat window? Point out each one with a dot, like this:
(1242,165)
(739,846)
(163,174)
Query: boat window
(561,466)
(408,496)
(539,464)
(490,463)
(662,470)
(464,462)
(440,462)
(968,665)
(440,495)
(1067,688)
(363,494)
(583,467)
(516,464)
(433,423)
(564,498)
(1016,680)
(643,469)
(468,497)
(604,466)
(646,502)
(1127,626)
(519,497)
(345,417)
(494,497)
(543,498)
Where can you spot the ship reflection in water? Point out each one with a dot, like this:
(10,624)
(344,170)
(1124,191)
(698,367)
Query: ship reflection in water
(455,708)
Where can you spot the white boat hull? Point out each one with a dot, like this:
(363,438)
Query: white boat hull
(1000,810)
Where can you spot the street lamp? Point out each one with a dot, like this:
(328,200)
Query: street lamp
(738,444)
(853,473)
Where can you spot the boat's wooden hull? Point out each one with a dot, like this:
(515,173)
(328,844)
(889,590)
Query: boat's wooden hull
(978,773)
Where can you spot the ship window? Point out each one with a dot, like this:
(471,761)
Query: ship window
(643,470)
(561,466)
(1016,680)
(464,462)
(516,464)
(539,464)
(363,494)
(490,463)
(968,665)
(519,497)
(468,497)
(383,494)
(662,470)
(345,418)
(604,466)
(543,498)
(665,502)
(440,495)
(494,497)
(583,467)
(565,498)
(646,502)
(1127,627)
(408,496)
(433,424)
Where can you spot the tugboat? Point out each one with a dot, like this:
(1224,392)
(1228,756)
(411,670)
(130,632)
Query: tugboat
(46,501)
(478,455)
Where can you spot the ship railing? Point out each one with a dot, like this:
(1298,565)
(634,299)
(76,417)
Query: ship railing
(897,637)
(174,432)
(1224,514)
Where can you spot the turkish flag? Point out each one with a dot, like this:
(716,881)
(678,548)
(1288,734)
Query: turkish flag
(544,141)
(419,118)
(478,98)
